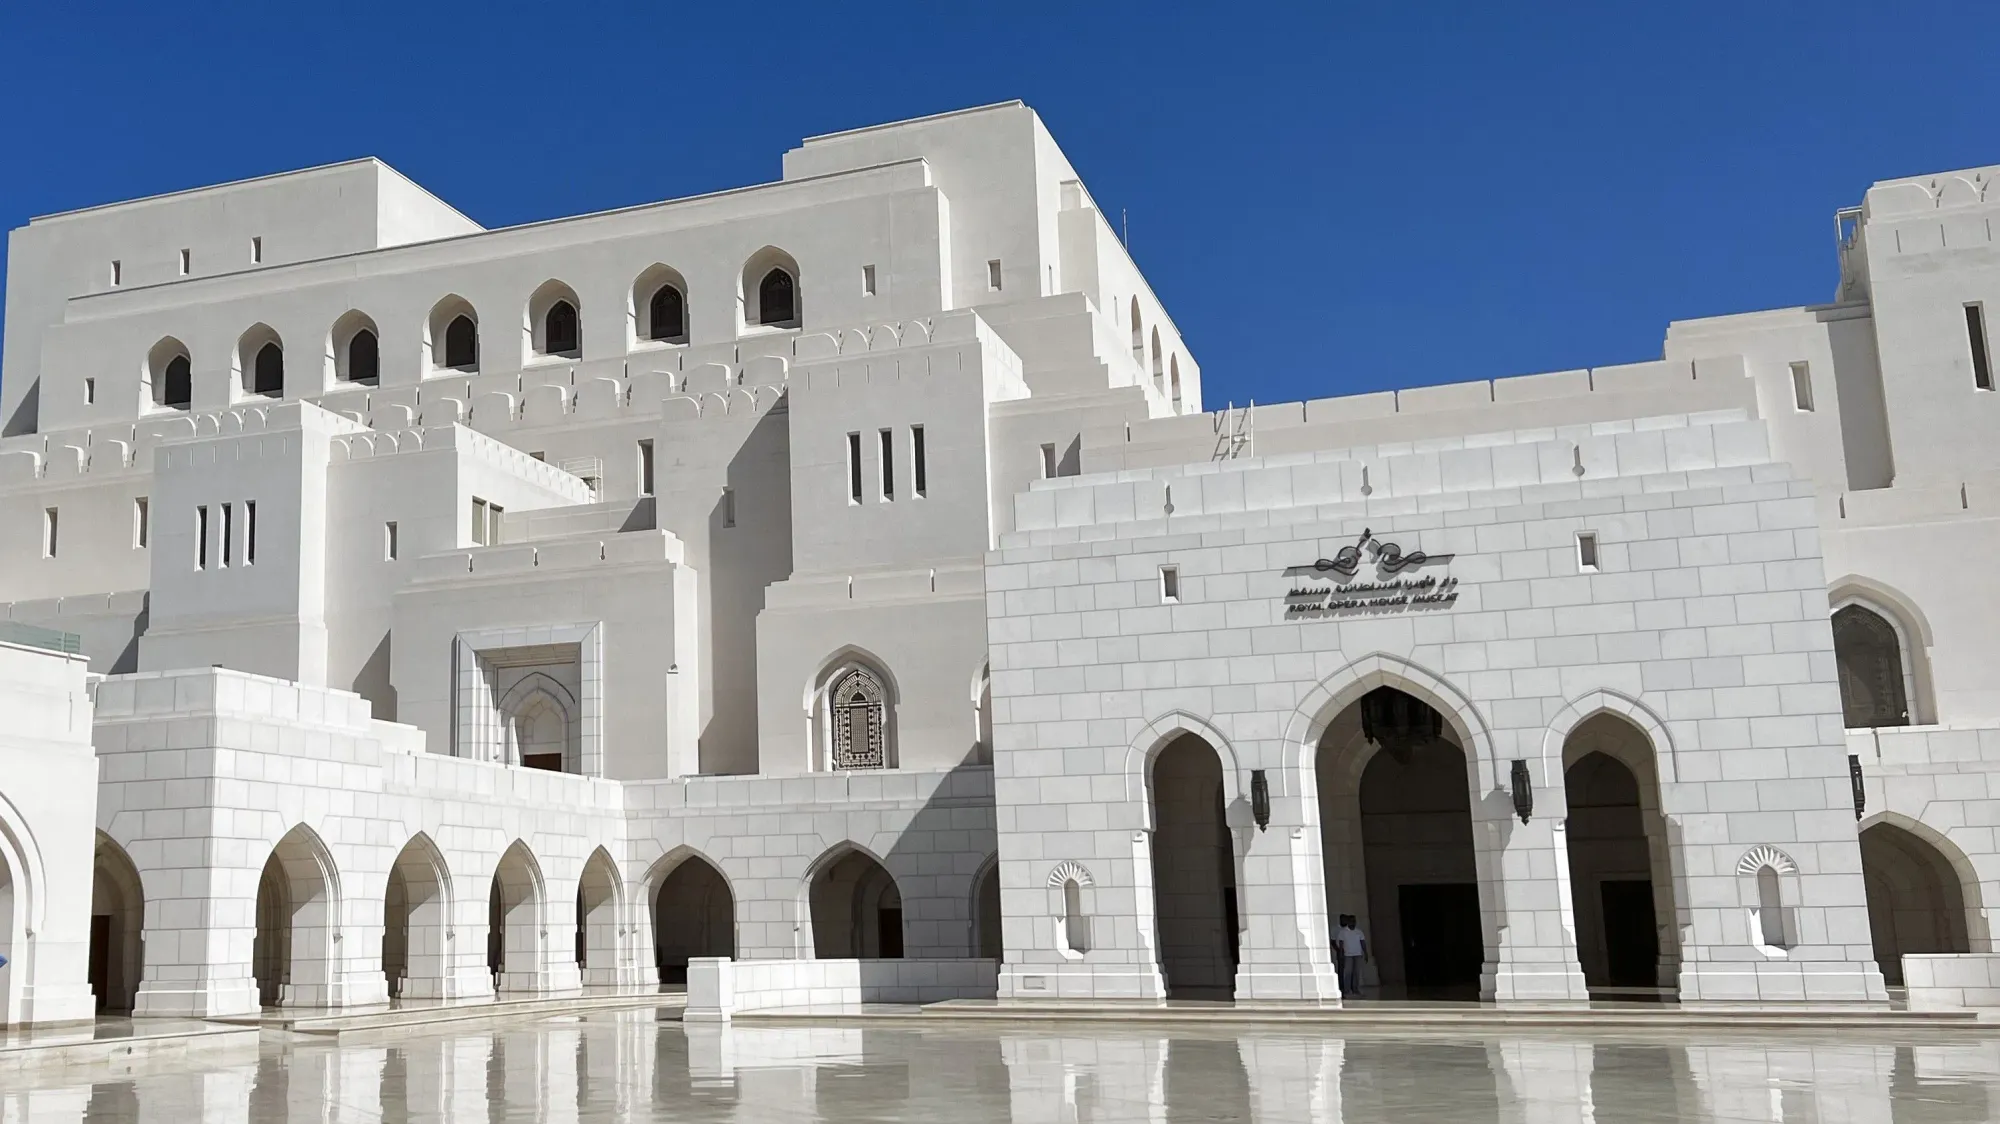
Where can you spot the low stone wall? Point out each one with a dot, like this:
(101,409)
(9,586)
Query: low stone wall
(1944,981)
(719,987)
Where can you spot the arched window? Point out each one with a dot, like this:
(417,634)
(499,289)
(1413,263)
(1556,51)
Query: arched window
(364,358)
(269,375)
(1138,334)
(178,390)
(560,334)
(856,722)
(1174,372)
(461,344)
(1076,926)
(777,298)
(1870,660)
(666,315)
(1771,909)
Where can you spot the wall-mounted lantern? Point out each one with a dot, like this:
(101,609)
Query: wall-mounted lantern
(1524,791)
(1260,798)
(1860,791)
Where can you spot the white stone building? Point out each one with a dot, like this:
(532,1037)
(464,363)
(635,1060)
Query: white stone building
(843,571)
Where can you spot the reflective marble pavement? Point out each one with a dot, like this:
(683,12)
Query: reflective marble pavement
(632,1066)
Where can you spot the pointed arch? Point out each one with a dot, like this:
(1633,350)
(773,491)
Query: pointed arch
(657,307)
(416,921)
(600,902)
(260,362)
(298,907)
(542,724)
(770,291)
(353,350)
(1914,638)
(851,712)
(1339,690)
(117,928)
(1161,732)
(988,938)
(1606,701)
(451,335)
(23,899)
(517,921)
(692,911)
(553,323)
(854,906)
(1971,891)
(168,376)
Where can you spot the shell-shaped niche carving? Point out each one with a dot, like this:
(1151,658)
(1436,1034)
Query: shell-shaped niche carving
(1763,855)
(1070,871)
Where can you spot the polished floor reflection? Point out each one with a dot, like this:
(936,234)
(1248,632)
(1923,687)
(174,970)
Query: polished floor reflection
(630,1066)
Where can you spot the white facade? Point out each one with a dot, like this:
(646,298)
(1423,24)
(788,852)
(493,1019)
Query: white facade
(843,568)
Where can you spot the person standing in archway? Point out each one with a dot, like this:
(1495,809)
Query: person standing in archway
(1352,948)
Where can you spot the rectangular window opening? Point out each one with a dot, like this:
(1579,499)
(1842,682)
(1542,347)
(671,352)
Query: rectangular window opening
(1802,387)
(249,532)
(256,250)
(993,275)
(1975,334)
(201,537)
(493,513)
(478,521)
(888,442)
(117,272)
(918,481)
(187,260)
(729,507)
(1586,550)
(646,467)
(854,468)
(48,532)
(389,541)
(867,280)
(89,392)
(1049,461)
(142,518)
(1170,583)
(228,538)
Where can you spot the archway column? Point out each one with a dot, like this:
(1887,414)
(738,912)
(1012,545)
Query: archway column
(199,933)
(1525,900)
(1284,944)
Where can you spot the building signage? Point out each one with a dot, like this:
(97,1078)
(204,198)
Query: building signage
(1330,585)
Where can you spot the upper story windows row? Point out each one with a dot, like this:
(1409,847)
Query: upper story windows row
(552,327)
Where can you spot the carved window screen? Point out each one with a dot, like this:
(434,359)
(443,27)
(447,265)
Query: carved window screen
(855,707)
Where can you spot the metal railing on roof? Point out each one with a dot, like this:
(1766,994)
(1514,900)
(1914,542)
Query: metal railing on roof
(32,636)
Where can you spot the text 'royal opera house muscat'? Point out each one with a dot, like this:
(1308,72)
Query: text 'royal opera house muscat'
(840,575)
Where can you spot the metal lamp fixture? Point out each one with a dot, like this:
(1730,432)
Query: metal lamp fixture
(1524,791)
(1260,798)
(1860,791)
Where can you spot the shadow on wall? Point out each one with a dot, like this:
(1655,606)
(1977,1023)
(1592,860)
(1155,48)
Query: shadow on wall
(749,549)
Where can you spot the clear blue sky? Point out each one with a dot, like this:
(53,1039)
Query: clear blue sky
(1328,197)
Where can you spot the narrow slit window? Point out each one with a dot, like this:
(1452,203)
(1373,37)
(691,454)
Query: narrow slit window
(48,532)
(201,537)
(249,532)
(493,513)
(187,260)
(142,518)
(854,468)
(89,392)
(1975,334)
(1802,398)
(1170,584)
(228,537)
(993,275)
(1049,461)
(888,443)
(867,280)
(389,541)
(256,250)
(117,272)
(729,507)
(1586,550)
(478,521)
(918,482)
(646,467)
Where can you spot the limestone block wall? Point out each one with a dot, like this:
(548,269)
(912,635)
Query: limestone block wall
(1703,624)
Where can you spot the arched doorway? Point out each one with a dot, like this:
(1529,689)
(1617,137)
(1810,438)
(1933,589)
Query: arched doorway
(1396,824)
(857,911)
(987,938)
(1194,872)
(1916,901)
(117,919)
(292,952)
(514,922)
(597,920)
(694,915)
(1621,879)
(414,912)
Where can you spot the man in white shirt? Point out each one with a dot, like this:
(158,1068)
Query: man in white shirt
(1352,948)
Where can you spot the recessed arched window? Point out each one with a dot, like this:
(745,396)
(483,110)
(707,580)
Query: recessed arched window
(561,334)
(461,344)
(364,358)
(178,390)
(777,298)
(1869,657)
(666,315)
(857,724)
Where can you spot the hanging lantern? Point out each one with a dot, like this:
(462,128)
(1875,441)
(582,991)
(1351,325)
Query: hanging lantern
(1524,791)
(1397,722)
(1260,799)
(1860,790)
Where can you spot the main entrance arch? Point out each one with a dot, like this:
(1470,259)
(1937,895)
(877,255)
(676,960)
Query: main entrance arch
(1194,871)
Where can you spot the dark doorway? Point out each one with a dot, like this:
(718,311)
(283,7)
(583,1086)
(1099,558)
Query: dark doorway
(1631,933)
(890,924)
(1194,878)
(1443,949)
(100,959)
